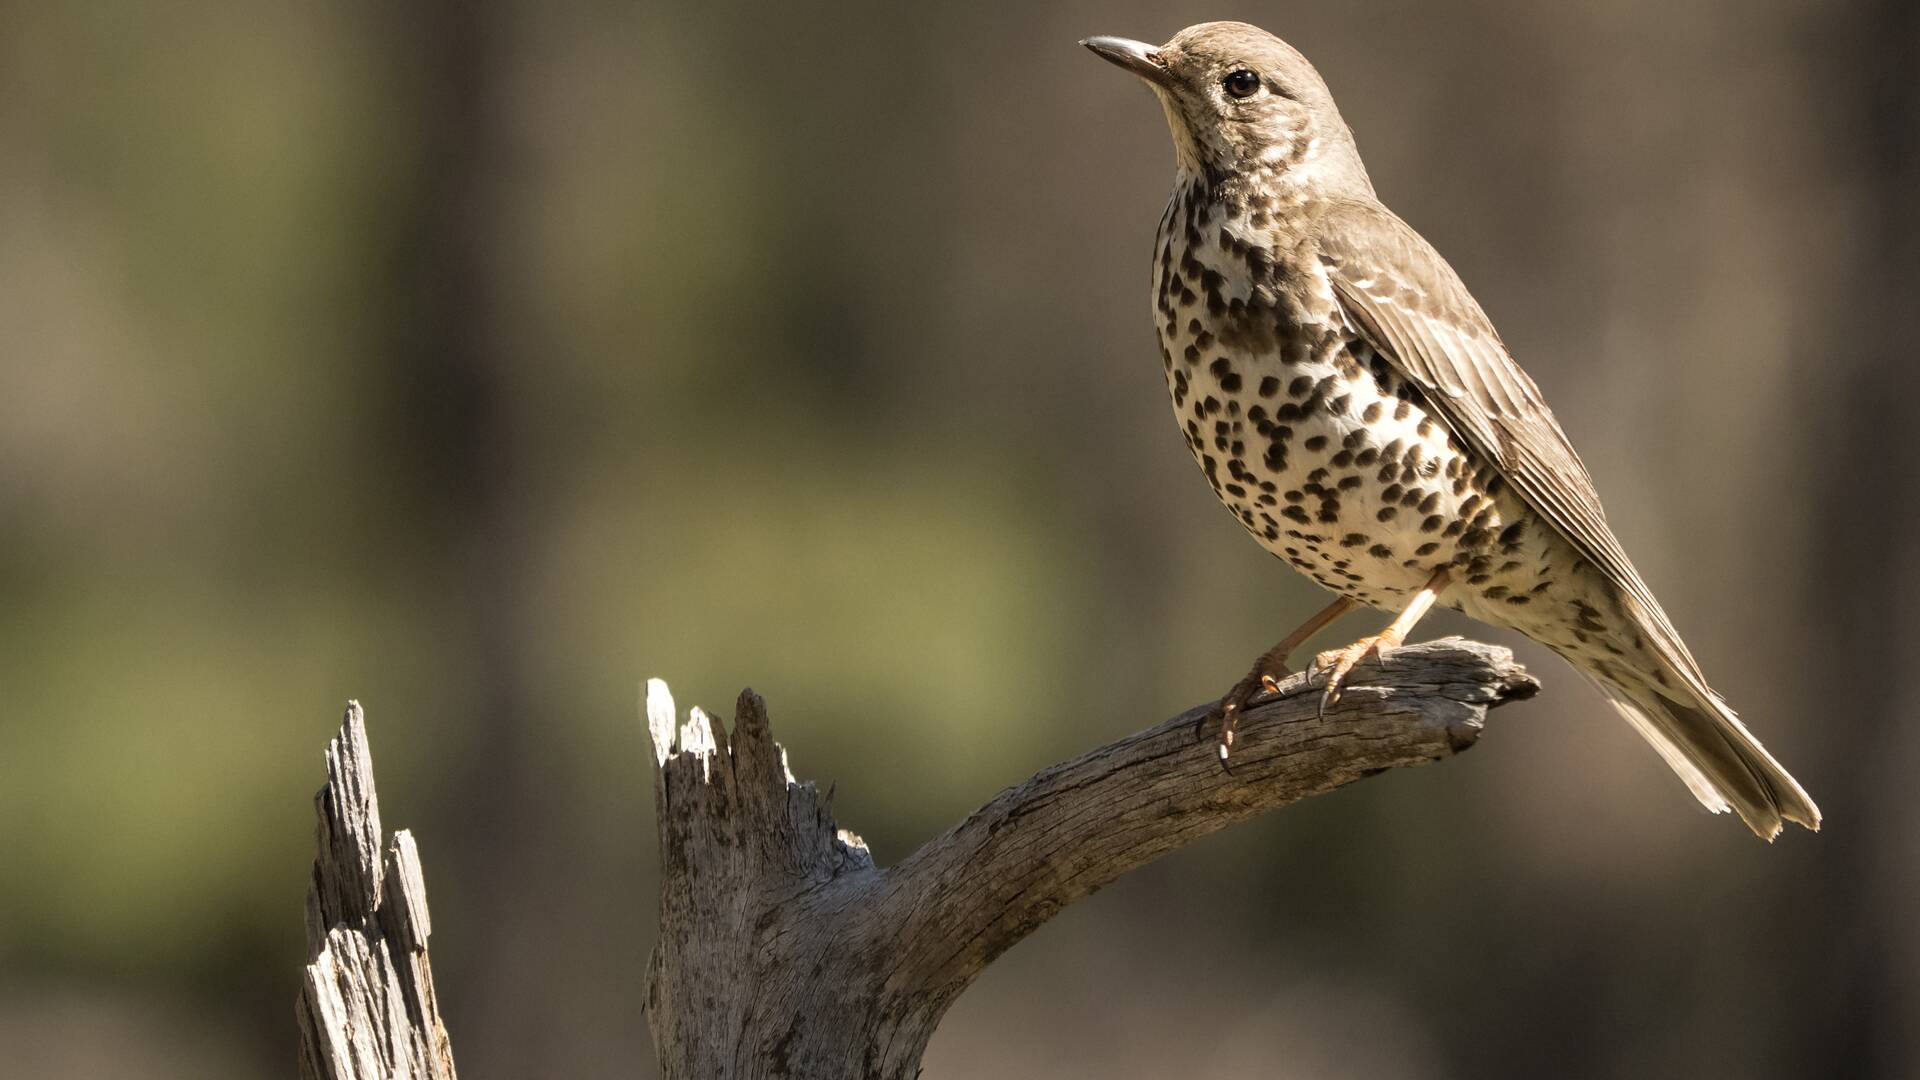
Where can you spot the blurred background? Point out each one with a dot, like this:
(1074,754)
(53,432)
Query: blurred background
(479,361)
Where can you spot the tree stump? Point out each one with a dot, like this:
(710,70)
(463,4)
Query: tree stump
(367,1009)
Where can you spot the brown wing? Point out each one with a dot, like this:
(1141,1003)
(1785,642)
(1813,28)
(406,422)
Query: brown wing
(1403,298)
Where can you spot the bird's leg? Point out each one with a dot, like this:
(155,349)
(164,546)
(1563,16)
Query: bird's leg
(1266,674)
(1337,663)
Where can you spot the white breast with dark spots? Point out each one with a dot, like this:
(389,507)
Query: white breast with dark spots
(1320,450)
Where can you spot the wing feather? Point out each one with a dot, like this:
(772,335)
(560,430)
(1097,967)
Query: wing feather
(1399,295)
(1404,299)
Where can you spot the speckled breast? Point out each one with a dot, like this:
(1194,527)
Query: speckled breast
(1313,441)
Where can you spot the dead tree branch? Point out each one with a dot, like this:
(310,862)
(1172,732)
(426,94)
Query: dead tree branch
(786,952)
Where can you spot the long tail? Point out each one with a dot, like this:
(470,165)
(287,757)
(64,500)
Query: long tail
(1722,763)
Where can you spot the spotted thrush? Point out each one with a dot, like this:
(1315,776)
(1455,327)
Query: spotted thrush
(1351,404)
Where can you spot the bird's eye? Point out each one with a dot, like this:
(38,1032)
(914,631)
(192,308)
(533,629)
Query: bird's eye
(1242,83)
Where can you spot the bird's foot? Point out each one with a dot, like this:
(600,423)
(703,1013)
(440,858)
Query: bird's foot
(1262,680)
(1337,664)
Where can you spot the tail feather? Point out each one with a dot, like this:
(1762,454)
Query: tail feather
(1719,759)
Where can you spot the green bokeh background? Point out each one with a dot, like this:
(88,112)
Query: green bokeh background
(480,361)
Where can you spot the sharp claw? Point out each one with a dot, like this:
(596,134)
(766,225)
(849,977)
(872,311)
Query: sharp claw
(1244,693)
(1319,668)
(1342,665)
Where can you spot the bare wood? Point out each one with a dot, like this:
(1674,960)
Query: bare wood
(786,952)
(367,1008)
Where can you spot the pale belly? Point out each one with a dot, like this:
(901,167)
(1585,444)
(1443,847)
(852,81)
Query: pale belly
(1337,466)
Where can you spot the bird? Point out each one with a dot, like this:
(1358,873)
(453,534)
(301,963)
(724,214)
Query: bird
(1352,405)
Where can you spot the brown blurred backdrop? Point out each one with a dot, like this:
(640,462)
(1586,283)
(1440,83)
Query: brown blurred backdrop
(479,361)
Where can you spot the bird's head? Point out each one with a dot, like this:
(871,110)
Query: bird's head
(1242,102)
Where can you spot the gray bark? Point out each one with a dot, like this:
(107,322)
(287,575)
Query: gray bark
(786,952)
(367,1009)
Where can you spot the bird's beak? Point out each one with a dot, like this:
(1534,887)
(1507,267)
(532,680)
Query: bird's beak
(1136,56)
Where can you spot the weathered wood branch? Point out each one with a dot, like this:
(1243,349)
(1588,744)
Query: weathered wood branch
(786,952)
(367,1009)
